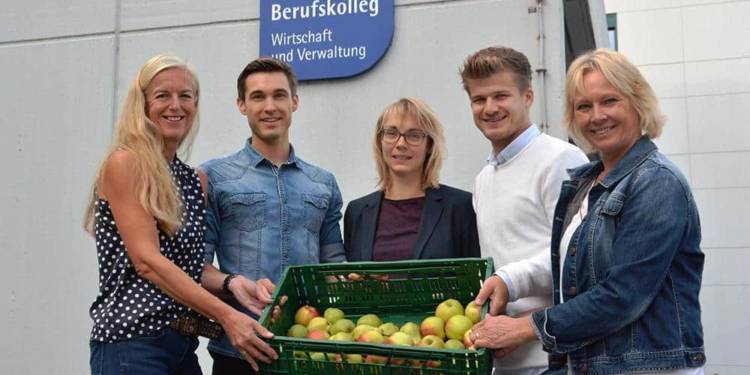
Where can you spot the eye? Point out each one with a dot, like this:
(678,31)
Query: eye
(582,107)
(612,100)
(390,132)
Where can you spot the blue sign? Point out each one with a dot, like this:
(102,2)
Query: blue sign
(326,38)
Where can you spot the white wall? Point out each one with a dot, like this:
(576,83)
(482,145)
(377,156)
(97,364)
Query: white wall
(696,54)
(64,64)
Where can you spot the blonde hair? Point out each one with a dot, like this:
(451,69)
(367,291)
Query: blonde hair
(430,124)
(136,133)
(625,77)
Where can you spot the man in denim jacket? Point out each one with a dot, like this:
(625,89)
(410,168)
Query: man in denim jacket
(267,208)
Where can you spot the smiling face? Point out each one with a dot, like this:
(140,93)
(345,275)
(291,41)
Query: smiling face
(268,105)
(401,158)
(171,104)
(500,107)
(605,118)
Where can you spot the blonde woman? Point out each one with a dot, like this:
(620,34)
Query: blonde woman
(411,216)
(147,216)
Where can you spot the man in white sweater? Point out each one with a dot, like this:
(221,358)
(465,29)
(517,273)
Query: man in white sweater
(515,194)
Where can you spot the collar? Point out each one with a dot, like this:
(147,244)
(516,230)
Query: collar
(637,154)
(515,147)
(256,157)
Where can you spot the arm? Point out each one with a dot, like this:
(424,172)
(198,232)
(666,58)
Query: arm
(469,235)
(652,223)
(141,239)
(348,232)
(331,246)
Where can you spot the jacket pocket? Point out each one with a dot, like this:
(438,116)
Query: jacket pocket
(613,205)
(248,211)
(315,208)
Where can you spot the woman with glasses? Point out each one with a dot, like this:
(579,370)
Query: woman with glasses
(411,216)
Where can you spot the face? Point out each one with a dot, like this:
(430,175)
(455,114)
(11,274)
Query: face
(268,105)
(404,159)
(171,104)
(605,118)
(500,107)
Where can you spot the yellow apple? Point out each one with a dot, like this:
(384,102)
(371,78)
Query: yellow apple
(372,337)
(333,314)
(468,342)
(473,312)
(456,326)
(412,329)
(297,330)
(341,325)
(317,324)
(359,330)
(304,314)
(454,344)
(432,341)
(387,329)
(433,326)
(342,336)
(448,308)
(400,338)
(370,320)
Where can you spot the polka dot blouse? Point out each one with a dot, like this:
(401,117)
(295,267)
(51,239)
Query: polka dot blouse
(127,305)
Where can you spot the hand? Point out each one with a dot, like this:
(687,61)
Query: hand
(503,333)
(494,288)
(243,332)
(253,295)
(277,309)
(357,277)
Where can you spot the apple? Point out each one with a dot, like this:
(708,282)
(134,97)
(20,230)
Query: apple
(468,342)
(456,326)
(372,337)
(473,312)
(333,314)
(342,336)
(297,330)
(354,358)
(317,335)
(318,324)
(454,344)
(341,325)
(304,314)
(376,359)
(400,338)
(387,329)
(433,326)
(318,356)
(432,341)
(359,330)
(433,364)
(412,329)
(448,308)
(370,320)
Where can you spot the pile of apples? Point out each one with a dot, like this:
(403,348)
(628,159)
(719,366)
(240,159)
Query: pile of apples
(449,328)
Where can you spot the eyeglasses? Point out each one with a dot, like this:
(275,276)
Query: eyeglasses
(412,137)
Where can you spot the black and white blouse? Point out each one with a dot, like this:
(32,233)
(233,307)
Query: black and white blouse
(127,305)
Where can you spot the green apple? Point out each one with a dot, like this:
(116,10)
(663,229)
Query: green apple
(318,356)
(358,330)
(342,336)
(370,320)
(387,329)
(372,337)
(297,330)
(454,344)
(433,326)
(333,314)
(304,314)
(318,324)
(448,308)
(341,325)
(473,312)
(432,341)
(412,329)
(456,326)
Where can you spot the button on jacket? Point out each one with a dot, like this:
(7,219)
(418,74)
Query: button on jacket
(632,273)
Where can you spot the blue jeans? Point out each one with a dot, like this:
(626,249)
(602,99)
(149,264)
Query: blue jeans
(165,352)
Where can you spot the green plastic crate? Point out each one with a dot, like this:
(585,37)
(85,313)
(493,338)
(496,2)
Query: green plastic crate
(411,293)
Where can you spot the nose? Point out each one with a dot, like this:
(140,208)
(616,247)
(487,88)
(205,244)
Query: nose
(174,102)
(490,107)
(269,105)
(597,114)
(401,141)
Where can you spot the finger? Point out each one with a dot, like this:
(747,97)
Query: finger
(266,283)
(282,300)
(251,361)
(263,295)
(276,312)
(354,277)
(262,331)
(495,307)
(254,309)
(268,351)
(483,294)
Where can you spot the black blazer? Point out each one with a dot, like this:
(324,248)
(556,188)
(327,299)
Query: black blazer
(448,228)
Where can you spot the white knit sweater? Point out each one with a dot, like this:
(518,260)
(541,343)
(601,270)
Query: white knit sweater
(515,203)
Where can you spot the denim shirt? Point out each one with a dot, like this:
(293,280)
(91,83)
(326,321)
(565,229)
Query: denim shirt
(632,273)
(261,218)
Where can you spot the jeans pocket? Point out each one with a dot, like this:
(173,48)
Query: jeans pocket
(315,208)
(247,211)
(96,357)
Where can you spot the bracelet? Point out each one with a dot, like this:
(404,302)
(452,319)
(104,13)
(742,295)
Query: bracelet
(225,285)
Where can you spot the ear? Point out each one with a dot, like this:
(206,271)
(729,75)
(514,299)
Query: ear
(241,106)
(295,102)
(529,97)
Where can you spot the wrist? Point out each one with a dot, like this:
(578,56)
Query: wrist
(227,280)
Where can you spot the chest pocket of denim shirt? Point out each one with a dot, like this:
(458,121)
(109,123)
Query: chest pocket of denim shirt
(610,217)
(315,208)
(248,211)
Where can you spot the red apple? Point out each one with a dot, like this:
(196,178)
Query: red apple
(433,326)
(317,335)
(304,314)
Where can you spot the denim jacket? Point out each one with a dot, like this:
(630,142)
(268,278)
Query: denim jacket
(261,218)
(632,273)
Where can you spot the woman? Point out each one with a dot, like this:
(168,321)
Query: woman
(147,215)
(412,216)
(626,257)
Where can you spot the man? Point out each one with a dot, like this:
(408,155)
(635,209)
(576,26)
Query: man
(515,193)
(267,208)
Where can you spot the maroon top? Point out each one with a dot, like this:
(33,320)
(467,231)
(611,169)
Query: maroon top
(397,229)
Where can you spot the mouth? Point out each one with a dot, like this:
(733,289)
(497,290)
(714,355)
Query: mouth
(604,130)
(270,119)
(401,157)
(173,118)
(494,120)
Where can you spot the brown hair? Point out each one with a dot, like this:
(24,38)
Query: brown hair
(266,65)
(491,60)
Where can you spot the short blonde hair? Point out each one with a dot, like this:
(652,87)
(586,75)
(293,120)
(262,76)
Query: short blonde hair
(136,133)
(430,124)
(625,77)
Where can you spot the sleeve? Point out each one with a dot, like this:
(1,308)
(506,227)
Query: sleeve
(348,232)
(653,220)
(331,245)
(533,276)
(469,235)
(213,222)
